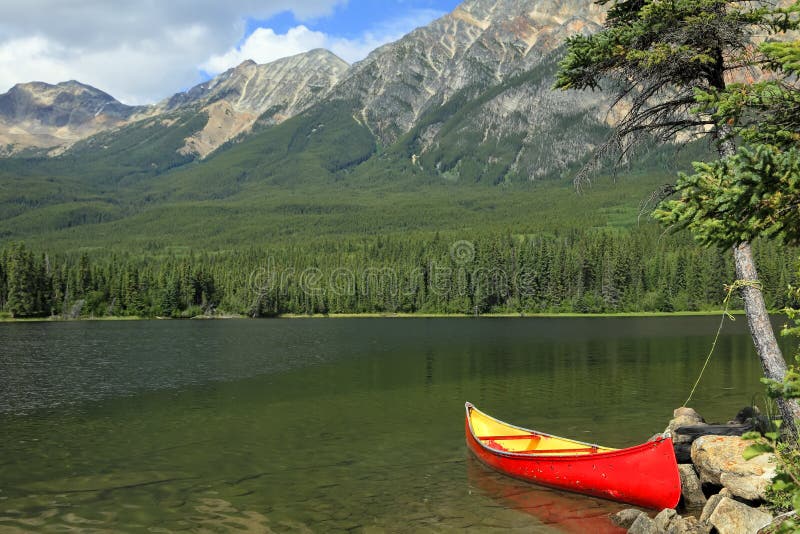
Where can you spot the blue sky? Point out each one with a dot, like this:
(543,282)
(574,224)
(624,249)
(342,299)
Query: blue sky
(350,29)
(143,51)
(356,17)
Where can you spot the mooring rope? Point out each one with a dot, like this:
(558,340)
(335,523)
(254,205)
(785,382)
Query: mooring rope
(738,284)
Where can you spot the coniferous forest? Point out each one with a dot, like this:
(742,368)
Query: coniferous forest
(590,271)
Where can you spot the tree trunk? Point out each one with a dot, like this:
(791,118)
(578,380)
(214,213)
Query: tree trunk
(763,336)
(766,344)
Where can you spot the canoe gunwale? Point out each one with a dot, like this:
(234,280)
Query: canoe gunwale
(552,457)
(645,475)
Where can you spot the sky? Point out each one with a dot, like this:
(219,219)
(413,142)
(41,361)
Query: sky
(141,51)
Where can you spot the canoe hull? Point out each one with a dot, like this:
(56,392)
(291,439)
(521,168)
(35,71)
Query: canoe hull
(645,475)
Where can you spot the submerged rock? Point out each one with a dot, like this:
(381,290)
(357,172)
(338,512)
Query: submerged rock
(719,460)
(733,517)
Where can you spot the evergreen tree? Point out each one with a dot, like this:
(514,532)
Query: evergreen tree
(663,56)
(21,286)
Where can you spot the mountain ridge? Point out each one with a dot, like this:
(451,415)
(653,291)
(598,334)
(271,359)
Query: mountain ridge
(375,138)
(46,115)
(481,42)
(465,98)
(41,115)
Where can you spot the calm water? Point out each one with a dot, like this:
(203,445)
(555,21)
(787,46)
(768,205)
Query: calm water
(330,425)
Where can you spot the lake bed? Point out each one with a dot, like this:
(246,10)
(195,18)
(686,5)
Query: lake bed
(321,425)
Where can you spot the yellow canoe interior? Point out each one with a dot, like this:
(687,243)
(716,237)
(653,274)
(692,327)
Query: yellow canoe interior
(502,436)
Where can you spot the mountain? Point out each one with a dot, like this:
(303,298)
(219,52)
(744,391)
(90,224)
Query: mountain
(469,96)
(479,44)
(42,115)
(270,93)
(45,116)
(465,100)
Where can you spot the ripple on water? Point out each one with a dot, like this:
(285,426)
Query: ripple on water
(297,426)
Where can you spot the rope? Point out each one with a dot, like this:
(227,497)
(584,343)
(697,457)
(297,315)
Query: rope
(738,284)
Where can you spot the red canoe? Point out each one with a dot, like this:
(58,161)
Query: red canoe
(645,475)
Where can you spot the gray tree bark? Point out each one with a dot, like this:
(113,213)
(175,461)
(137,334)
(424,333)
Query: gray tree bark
(755,309)
(762,333)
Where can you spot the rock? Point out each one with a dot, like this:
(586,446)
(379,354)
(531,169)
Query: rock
(683,417)
(664,518)
(719,460)
(693,432)
(691,489)
(643,525)
(751,488)
(683,452)
(688,525)
(710,506)
(625,518)
(733,517)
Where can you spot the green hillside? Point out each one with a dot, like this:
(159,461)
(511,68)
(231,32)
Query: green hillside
(124,225)
(318,176)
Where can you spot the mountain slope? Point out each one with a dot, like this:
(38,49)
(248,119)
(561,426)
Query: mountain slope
(38,115)
(42,115)
(269,93)
(481,43)
(465,100)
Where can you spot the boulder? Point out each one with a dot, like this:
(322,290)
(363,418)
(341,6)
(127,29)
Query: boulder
(710,506)
(733,517)
(625,518)
(664,518)
(683,417)
(691,490)
(643,525)
(688,525)
(719,460)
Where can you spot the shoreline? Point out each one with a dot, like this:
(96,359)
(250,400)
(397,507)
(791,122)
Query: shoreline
(230,317)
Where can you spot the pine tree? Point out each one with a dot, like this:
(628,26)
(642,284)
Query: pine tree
(21,282)
(662,57)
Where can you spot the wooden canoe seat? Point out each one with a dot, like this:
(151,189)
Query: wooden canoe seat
(494,439)
(592,450)
(503,438)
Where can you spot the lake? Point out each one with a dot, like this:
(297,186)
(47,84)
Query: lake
(332,424)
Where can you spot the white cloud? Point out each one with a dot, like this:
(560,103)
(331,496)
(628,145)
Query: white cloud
(137,74)
(141,52)
(264,45)
(137,51)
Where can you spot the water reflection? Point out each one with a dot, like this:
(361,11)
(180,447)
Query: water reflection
(329,425)
(566,512)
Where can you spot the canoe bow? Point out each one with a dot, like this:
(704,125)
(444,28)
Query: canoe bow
(645,475)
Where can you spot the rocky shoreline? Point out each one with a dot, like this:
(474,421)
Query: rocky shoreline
(721,491)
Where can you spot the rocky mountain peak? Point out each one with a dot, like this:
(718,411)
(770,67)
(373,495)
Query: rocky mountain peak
(38,114)
(32,101)
(480,43)
(256,88)
(45,115)
(246,64)
(271,93)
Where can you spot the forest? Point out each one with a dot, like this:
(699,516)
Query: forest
(577,271)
